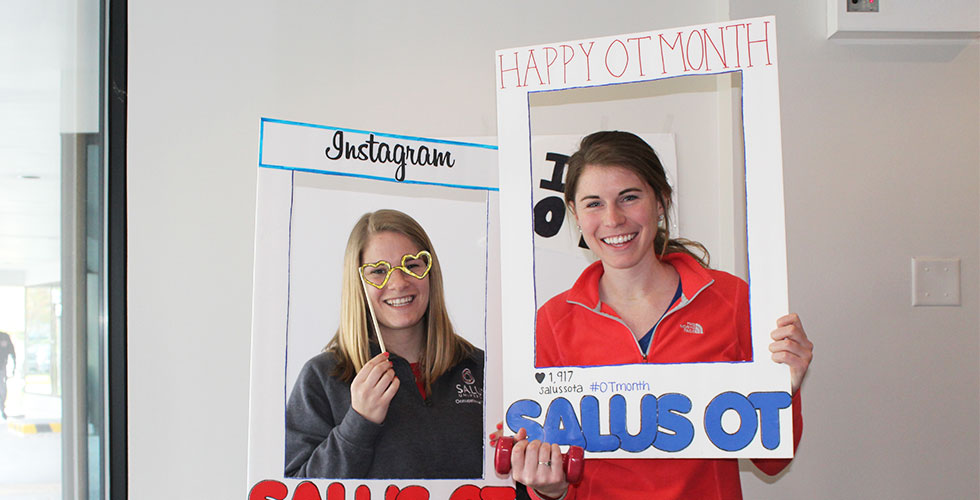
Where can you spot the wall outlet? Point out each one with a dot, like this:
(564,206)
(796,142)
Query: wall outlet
(935,282)
(862,5)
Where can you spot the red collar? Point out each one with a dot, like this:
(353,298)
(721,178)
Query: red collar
(585,291)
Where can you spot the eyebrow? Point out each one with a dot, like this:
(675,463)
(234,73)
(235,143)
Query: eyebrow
(596,197)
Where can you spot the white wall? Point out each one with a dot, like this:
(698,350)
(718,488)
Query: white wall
(882,163)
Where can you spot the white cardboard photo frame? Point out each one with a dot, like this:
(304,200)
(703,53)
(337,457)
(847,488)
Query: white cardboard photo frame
(305,198)
(748,46)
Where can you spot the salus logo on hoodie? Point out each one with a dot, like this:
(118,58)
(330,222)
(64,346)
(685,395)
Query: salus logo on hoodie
(468,391)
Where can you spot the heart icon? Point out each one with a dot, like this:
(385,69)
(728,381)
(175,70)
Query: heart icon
(539,377)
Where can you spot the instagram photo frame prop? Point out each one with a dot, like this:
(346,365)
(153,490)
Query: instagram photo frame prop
(677,410)
(314,183)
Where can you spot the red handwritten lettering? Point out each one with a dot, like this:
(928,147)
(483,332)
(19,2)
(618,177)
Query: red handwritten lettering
(639,54)
(505,70)
(721,53)
(566,57)
(701,48)
(498,493)
(268,490)
(738,55)
(271,489)
(466,492)
(362,493)
(531,62)
(764,39)
(391,492)
(472,492)
(588,67)
(626,56)
(549,61)
(413,493)
(678,44)
(336,491)
(306,491)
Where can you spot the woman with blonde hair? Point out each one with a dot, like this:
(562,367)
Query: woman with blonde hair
(412,410)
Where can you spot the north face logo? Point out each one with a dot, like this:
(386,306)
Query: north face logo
(692,327)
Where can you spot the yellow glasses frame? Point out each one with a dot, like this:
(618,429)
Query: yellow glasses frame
(402,268)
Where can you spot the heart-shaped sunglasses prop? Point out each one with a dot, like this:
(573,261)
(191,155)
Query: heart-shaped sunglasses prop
(378,273)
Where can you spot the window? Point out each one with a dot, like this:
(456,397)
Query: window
(54,252)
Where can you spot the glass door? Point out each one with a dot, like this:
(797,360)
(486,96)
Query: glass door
(52,258)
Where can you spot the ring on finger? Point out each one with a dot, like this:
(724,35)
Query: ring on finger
(547,464)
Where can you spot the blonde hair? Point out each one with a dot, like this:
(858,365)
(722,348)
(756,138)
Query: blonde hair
(442,348)
(624,149)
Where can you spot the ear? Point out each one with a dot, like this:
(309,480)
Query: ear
(571,209)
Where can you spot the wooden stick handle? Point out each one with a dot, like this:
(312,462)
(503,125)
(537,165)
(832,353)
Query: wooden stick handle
(374,318)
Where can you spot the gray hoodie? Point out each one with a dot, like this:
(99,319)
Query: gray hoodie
(433,438)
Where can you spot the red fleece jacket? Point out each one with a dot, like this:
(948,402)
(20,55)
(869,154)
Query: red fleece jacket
(710,322)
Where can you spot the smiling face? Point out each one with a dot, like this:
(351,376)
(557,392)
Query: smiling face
(618,213)
(401,304)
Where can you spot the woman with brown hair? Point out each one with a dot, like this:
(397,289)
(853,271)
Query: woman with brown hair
(650,298)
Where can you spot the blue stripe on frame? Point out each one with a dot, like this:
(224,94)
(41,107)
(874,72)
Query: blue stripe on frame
(380,134)
(261,139)
(377,178)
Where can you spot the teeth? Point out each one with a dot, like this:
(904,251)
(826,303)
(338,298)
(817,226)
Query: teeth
(619,240)
(400,301)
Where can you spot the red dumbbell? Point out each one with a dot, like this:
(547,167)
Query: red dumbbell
(572,462)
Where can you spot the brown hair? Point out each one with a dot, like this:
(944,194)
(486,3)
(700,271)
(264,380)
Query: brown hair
(351,344)
(623,149)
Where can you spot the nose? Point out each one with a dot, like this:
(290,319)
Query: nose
(397,280)
(613,216)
